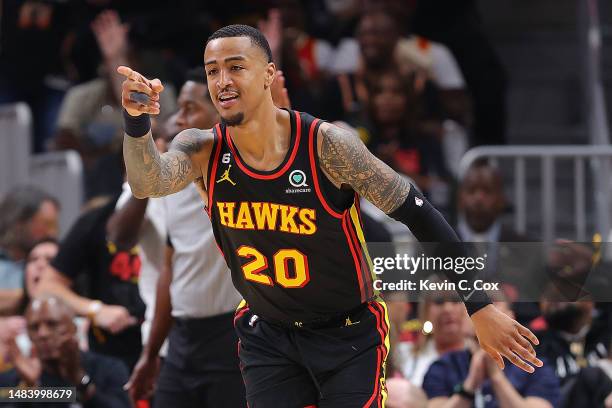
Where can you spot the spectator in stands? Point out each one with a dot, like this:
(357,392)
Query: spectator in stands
(346,96)
(27,214)
(458,25)
(575,336)
(332,20)
(358,51)
(57,361)
(579,269)
(395,136)
(418,55)
(471,378)
(443,317)
(480,205)
(14,327)
(574,340)
(36,262)
(434,74)
(90,116)
(377,50)
(34,42)
(305,60)
(109,275)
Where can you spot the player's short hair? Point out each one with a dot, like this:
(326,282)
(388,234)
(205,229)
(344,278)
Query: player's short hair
(241,30)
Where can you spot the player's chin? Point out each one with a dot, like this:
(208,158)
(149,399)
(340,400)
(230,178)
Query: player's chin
(234,119)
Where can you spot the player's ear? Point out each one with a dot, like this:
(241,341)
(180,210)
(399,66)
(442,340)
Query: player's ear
(270,74)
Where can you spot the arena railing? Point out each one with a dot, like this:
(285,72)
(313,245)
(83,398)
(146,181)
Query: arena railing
(15,142)
(60,174)
(590,39)
(599,157)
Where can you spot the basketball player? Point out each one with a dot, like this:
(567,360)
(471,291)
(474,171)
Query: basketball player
(311,330)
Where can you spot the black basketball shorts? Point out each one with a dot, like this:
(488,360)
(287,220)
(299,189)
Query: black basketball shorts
(339,363)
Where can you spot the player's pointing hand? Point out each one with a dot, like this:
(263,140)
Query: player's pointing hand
(138,94)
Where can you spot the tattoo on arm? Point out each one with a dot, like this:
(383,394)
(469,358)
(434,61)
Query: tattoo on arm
(346,160)
(152,174)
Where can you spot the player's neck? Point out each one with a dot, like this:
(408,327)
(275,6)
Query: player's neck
(264,140)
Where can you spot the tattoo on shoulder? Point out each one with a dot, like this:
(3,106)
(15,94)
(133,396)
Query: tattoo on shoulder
(347,161)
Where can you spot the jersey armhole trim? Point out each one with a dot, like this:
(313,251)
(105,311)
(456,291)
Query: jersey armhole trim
(212,168)
(314,164)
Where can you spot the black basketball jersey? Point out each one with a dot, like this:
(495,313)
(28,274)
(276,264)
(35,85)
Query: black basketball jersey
(296,252)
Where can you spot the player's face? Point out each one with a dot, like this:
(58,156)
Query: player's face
(238,77)
(195,108)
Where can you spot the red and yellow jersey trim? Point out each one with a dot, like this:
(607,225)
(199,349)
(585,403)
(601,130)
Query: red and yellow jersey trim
(279,172)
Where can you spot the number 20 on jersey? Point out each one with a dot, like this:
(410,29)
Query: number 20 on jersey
(282,261)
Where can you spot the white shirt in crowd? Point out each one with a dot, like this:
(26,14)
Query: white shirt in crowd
(414,366)
(430,56)
(152,253)
(201,284)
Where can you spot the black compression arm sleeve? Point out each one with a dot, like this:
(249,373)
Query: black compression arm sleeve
(428,225)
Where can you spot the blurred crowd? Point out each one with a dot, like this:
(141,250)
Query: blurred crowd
(417,81)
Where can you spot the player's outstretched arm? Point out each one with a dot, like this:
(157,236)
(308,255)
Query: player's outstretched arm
(346,161)
(149,173)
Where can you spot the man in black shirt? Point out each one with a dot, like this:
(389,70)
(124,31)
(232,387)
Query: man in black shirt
(112,279)
(577,335)
(57,361)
